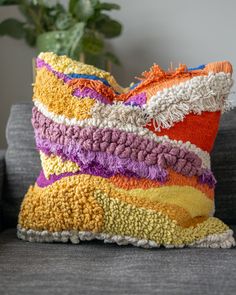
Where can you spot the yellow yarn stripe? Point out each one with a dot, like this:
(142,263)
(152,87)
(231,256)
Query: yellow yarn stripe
(55,165)
(64,64)
(191,199)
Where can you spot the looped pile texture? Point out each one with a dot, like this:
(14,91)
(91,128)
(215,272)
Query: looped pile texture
(126,165)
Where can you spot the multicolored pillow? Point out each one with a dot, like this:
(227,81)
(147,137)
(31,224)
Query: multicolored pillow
(131,165)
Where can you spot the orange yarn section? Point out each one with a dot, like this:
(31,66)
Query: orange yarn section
(175,178)
(220,66)
(200,130)
(159,86)
(158,79)
(102,89)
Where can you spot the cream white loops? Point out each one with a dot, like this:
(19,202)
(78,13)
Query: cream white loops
(119,113)
(224,240)
(202,93)
(61,119)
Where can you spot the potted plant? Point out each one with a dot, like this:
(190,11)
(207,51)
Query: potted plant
(78,30)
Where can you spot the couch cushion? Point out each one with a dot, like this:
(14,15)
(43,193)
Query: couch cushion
(95,268)
(22,160)
(23,164)
(2,177)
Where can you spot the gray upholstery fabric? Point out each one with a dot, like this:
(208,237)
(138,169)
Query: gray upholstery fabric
(224,167)
(22,163)
(95,268)
(22,160)
(2,177)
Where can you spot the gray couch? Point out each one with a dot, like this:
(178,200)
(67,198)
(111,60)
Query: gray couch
(94,267)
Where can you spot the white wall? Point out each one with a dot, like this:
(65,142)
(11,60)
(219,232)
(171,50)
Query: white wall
(15,73)
(177,31)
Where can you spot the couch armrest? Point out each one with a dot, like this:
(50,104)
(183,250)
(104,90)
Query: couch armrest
(2,176)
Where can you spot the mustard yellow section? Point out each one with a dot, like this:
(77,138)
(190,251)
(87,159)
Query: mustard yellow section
(64,205)
(91,183)
(64,64)
(57,97)
(86,202)
(55,165)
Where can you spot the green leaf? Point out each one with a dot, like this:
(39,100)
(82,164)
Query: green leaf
(12,27)
(83,9)
(108,6)
(94,20)
(9,2)
(96,60)
(95,3)
(72,4)
(64,21)
(55,10)
(49,17)
(92,43)
(61,42)
(26,11)
(109,28)
(52,41)
(75,36)
(30,36)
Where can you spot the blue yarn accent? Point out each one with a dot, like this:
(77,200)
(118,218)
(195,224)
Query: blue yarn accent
(92,77)
(135,85)
(201,67)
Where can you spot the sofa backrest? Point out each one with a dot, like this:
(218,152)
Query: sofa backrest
(22,161)
(223,161)
(23,164)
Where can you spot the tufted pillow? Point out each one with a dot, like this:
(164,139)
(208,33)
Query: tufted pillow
(126,165)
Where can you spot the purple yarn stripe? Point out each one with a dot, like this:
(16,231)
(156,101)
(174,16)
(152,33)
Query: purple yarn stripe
(119,143)
(87,139)
(42,181)
(102,161)
(137,100)
(41,63)
(88,92)
(208,178)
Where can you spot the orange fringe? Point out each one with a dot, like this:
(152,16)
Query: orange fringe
(152,81)
(98,86)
